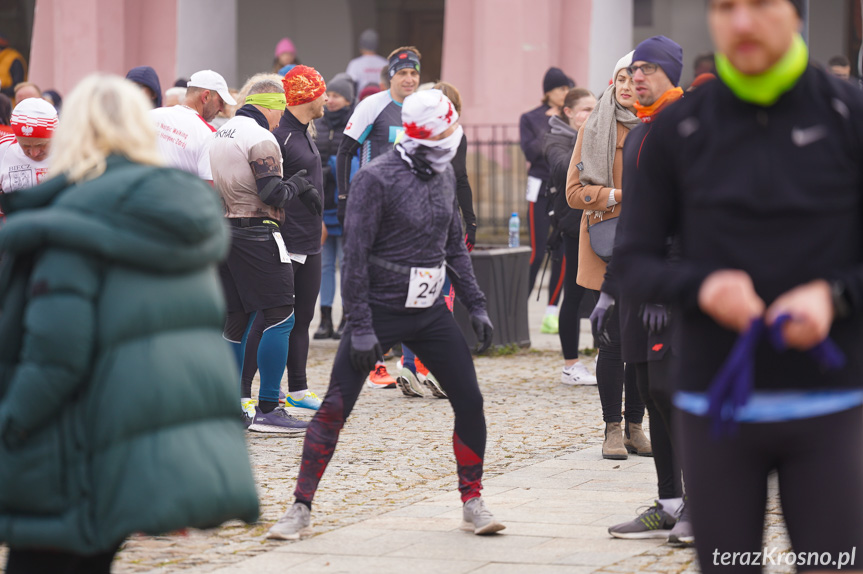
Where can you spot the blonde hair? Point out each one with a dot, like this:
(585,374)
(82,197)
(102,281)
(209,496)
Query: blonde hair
(105,115)
(452,93)
(244,91)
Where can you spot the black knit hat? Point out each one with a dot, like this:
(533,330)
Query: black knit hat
(555,78)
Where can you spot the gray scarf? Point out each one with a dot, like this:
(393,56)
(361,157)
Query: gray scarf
(599,142)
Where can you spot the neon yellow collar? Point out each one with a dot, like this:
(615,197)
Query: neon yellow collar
(765,89)
(270,101)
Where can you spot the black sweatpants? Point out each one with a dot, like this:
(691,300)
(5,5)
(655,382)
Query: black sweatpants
(653,379)
(610,380)
(570,326)
(44,561)
(307,285)
(820,469)
(436,339)
(540,224)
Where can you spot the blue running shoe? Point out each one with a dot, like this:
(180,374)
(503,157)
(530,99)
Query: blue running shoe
(277,421)
(309,401)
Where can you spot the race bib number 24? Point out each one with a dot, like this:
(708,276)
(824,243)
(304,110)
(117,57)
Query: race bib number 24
(425,286)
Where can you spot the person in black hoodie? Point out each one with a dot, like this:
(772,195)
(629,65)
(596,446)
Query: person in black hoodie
(305,93)
(330,132)
(758,175)
(146,77)
(566,224)
(532,127)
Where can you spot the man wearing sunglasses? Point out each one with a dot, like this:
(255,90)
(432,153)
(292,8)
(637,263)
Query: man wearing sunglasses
(645,333)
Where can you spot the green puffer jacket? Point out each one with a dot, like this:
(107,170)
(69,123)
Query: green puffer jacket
(119,407)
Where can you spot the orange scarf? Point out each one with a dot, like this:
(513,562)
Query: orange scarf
(646,113)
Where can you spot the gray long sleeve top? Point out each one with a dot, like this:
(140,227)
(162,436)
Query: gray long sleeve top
(395,215)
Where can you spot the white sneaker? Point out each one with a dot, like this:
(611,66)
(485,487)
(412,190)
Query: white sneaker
(577,374)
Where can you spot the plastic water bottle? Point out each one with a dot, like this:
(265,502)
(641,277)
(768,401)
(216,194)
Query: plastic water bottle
(514,230)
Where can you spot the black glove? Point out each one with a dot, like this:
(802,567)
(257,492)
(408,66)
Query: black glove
(483,329)
(306,192)
(599,319)
(655,318)
(366,352)
(470,237)
(341,209)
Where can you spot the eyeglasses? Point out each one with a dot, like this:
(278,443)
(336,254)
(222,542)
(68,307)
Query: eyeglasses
(646,69)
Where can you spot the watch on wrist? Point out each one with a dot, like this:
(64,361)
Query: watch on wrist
(839,297)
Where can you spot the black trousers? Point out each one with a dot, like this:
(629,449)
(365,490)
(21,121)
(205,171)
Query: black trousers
(540,224)
(820,468)
(44,562)
(436,339)
(653,379)
(611,380)
(570,326)
(307,284)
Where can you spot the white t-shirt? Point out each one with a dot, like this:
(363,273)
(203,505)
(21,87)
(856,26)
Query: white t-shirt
(184,139)
(17,171)
(366,70)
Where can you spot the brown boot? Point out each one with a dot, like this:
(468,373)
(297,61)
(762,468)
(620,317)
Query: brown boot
(612,446)
(635,441)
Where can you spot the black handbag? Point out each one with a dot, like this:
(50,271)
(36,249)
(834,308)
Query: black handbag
(602,237)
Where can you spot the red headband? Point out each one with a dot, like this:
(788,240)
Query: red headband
(33,127)
(303,85)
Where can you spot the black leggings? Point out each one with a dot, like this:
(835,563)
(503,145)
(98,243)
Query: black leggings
(437,341)
(43,561)
(570,325)
(307,284)
(820,469)
(611,381)
(540,223)
(652,380)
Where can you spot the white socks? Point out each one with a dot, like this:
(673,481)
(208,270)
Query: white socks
(671,505)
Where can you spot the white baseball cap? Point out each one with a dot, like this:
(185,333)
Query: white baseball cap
(210,80)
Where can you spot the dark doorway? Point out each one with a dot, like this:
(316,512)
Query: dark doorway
(16,24)
(405,23)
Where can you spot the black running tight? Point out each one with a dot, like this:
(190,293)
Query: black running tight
(652,379)
(570,325)
(307,284)
(820,471)
(437,341)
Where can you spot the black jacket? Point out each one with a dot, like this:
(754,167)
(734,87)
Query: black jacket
(532,127)
(331,130)
(301,229)
(776,192)
(557,150)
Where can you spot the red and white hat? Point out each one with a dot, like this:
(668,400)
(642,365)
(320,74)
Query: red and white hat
(427,113)
(34,118)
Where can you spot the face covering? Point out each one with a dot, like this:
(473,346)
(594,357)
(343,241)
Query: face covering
(428,157)
(765,89)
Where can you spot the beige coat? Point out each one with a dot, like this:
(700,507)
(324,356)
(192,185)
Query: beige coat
(591,269)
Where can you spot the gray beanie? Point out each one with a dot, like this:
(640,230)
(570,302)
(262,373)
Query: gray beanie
(343,85)
(369,40)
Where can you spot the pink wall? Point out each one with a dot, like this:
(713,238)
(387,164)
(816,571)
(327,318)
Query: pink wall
(73,38)
(498,51)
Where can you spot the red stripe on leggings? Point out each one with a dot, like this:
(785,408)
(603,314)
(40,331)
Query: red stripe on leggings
(557,289)
(532,233)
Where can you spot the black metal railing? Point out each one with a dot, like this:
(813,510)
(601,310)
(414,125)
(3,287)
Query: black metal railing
(497,171)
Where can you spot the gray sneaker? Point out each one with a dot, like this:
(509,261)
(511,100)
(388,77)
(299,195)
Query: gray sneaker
(434,387)
(295,524)
(478,518)
(408,383)
(652,523)
(277,421)
(682,533)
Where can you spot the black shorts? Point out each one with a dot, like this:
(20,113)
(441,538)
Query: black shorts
(253,277)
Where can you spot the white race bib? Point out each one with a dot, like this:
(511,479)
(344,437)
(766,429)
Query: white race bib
(425,286)
(301,259)
(533,186)
(283,251)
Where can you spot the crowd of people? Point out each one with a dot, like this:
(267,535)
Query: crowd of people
(166,254)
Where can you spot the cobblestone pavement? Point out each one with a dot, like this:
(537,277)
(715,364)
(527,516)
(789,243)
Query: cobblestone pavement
(395,451)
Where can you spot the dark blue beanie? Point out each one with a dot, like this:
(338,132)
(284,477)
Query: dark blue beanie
(664,52)
(555,78)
